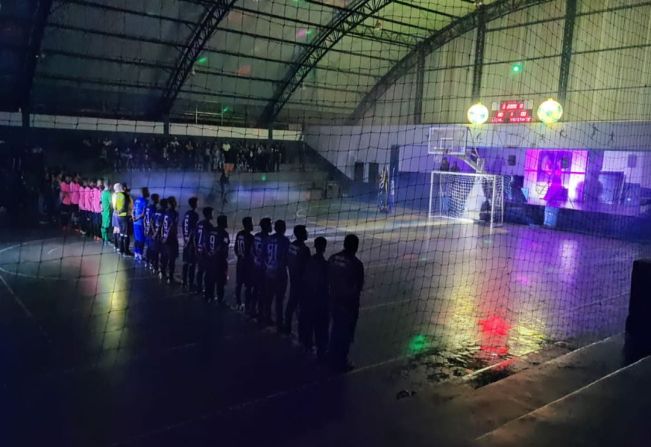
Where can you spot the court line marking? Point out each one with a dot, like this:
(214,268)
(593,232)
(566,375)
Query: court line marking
(571,394)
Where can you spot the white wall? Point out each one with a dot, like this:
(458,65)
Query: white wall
(344,145)
(150,127)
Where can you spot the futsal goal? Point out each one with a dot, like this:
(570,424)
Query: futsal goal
(470,197)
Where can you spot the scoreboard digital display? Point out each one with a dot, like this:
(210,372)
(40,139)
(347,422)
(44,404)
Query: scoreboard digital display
(512,111)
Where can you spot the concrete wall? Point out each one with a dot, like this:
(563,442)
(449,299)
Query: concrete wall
(147,127)
(344,145)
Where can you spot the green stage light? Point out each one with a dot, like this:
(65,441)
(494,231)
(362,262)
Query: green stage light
(517,68)
(202,60)
(418,344)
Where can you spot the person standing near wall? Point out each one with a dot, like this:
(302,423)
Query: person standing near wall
(139,208)
(244,253)
(188,228)
(276,274)
(297,258)
(170,240)
(260,241)
(148,227)
(106,211)
(314,317)
(204,227)
(64,194)
(346,281)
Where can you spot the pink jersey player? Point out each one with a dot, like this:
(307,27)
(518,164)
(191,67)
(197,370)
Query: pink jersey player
(97,199)
(74,193)
(64,193)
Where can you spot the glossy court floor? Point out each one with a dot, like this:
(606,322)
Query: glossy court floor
(97,352)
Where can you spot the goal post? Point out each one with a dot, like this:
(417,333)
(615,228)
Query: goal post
(470,197)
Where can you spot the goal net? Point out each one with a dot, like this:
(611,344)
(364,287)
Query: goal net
(467,196)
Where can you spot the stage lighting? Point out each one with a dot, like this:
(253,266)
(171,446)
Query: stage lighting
(517,68)
(550,111)
(478,114)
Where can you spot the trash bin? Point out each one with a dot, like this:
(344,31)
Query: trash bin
(551,217)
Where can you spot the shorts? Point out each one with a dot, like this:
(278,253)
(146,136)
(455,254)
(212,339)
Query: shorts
(189,254)
(171,249)
(138,232)
(124,225)
(244,271)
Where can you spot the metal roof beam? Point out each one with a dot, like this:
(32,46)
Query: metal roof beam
(32,55)
(396,40)
(203,31)
(344,21)
(365,31)
(435,41)
(342,10)
(162,65)
(207,49)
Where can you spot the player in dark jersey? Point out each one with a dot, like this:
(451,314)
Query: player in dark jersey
(217,260)
(276,273)
(314,316)
(297,258)
(259,258)
(200,239)
(170,240)
(157,230)
(346,281)
(188,227)
(139,208)
(244,253)
(148,224)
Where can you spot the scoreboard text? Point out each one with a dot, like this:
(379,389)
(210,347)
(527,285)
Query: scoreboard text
(512,111)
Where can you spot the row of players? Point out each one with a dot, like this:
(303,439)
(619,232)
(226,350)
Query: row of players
(324,295)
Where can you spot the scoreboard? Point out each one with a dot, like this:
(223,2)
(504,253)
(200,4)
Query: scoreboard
(512,111)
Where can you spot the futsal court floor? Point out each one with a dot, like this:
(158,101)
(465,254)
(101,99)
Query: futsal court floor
(96,351)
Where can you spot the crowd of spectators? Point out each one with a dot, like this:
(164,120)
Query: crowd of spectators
(29,183)
(189,154)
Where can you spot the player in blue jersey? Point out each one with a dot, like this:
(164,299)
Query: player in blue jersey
(314,317)
(346,281)
(170,240)
(297,258)
(139,208)
(157,230)
(188,228)
(200,239)
(217,260)
(276,273)
(148,227)
(259,258)
(244,253)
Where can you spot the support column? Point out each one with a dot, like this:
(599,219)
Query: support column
(25,117)
(166,125)
(479,55)
(566,54)
(420,88)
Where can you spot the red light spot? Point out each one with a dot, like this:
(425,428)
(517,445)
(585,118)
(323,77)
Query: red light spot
(494,326)
(244,70)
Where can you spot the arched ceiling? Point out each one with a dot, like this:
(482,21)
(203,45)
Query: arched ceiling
(237,61)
